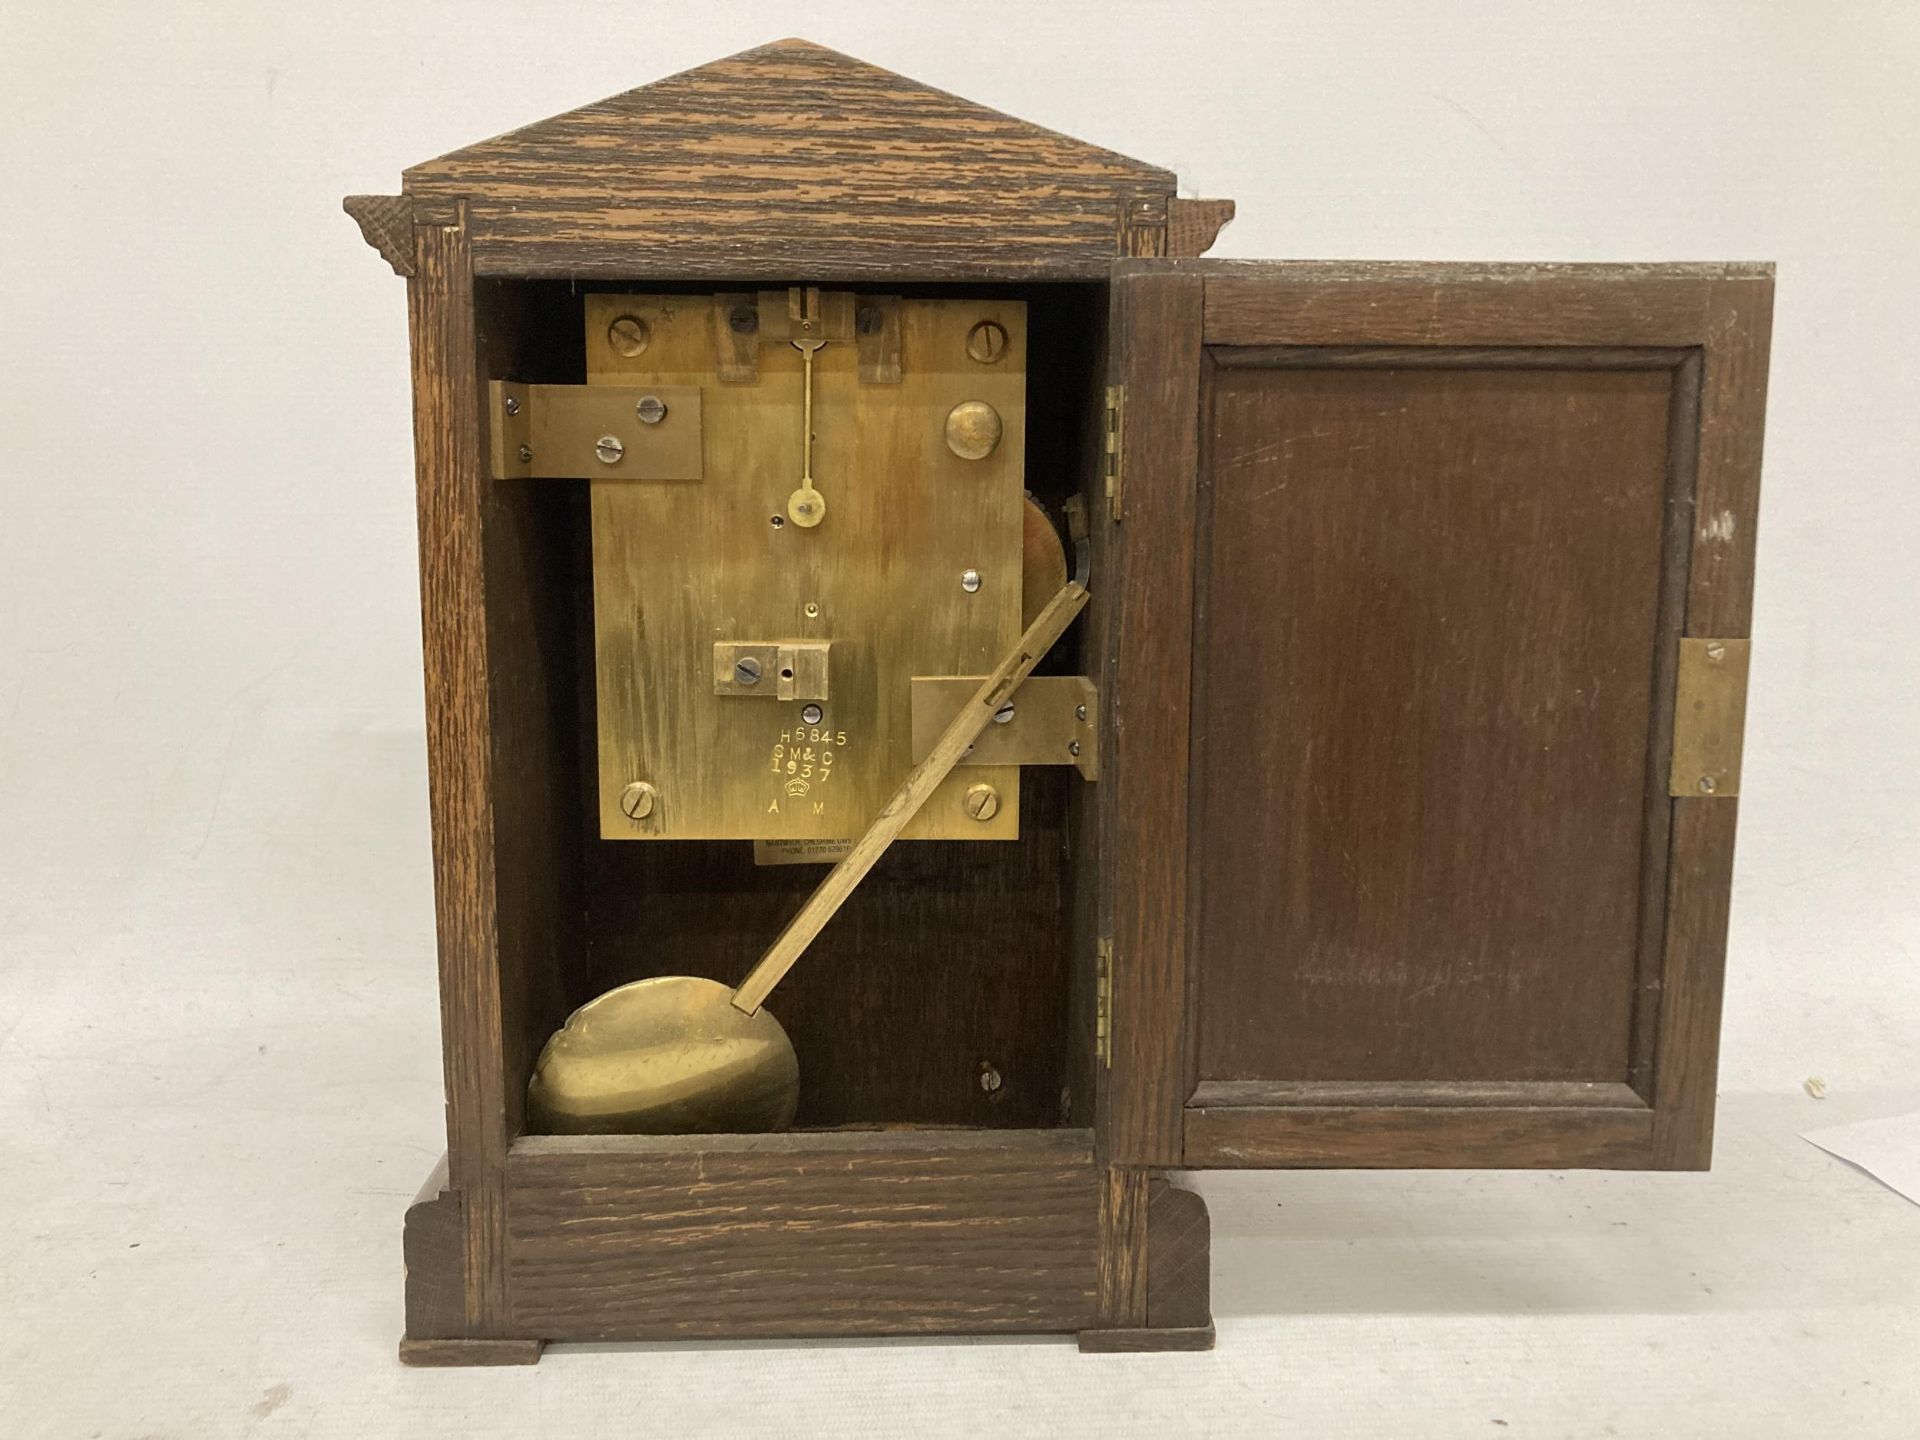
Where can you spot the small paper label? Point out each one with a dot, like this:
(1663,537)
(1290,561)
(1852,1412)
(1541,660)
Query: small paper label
(800,852)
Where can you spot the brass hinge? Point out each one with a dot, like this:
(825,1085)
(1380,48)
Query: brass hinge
(1709,714)
(1116,418)
(1103,1001)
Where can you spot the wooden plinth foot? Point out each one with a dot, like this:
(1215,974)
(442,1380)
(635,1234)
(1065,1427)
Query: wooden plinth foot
(1171,1337)
(470,1352)
(1179,1283)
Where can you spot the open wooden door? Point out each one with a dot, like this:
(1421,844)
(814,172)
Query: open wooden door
(1435,587)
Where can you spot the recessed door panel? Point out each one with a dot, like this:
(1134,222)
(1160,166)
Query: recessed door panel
(1423,778)
(1429,600)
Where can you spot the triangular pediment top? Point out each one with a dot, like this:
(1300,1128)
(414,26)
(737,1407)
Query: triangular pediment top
(790,104)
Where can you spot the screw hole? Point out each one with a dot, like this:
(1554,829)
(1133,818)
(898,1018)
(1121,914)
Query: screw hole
(777,521)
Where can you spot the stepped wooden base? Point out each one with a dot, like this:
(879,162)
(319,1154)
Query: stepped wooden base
(799,1236)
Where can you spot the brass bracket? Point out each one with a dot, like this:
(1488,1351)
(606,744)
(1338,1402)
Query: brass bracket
(1054,720)
(1709,716)
(595,432)
(771,669)
(743,320)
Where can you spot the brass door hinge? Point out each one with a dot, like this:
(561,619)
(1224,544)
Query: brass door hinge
(1116,420)
(1709,715)
(1103,1001)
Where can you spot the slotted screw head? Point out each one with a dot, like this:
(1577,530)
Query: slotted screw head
(987,341)
(743,319)
(609,449)
(1004,715)
(526,454)
(636,801)
(983,802)
(970,580)
(746,671)
(651,409)
(628,335)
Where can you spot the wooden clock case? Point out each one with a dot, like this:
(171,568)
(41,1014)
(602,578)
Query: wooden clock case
(1420,604)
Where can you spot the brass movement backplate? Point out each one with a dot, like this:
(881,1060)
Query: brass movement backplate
(915,568)
(1709,717)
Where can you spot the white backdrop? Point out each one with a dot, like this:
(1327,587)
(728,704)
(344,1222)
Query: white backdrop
(218,1046)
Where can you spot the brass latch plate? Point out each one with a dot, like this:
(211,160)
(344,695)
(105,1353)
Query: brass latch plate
(594,432)
(771,669)
(1709,717)
(1051,720)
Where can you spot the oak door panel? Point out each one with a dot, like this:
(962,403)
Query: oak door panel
(1420,543)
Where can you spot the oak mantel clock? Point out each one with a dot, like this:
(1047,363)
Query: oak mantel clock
(1146,714)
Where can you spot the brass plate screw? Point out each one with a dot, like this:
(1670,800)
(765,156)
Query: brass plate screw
(628,335)
(990,1080)
(973,429)
(970,580)
(513,405)
(636,801)
(812,714)
(526,454)
(609,449)
(987,341)
(983,802)
(743,320)
(1004,715)
(812,611)
(651,410)
(746,671)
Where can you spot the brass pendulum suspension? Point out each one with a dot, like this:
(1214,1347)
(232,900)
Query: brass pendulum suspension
(807,507)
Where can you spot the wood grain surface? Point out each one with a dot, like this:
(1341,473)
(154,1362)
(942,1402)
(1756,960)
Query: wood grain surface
(1157,319)
(1426,629)
(788,160)
(852,1234)
(447,449)
(1583,492)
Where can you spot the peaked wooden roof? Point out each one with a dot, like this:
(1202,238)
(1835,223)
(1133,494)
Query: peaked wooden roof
(788,160)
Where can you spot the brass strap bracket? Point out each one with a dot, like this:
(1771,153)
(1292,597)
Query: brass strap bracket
(1054,720)
(1709,717)
(742,320)
(594,432)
